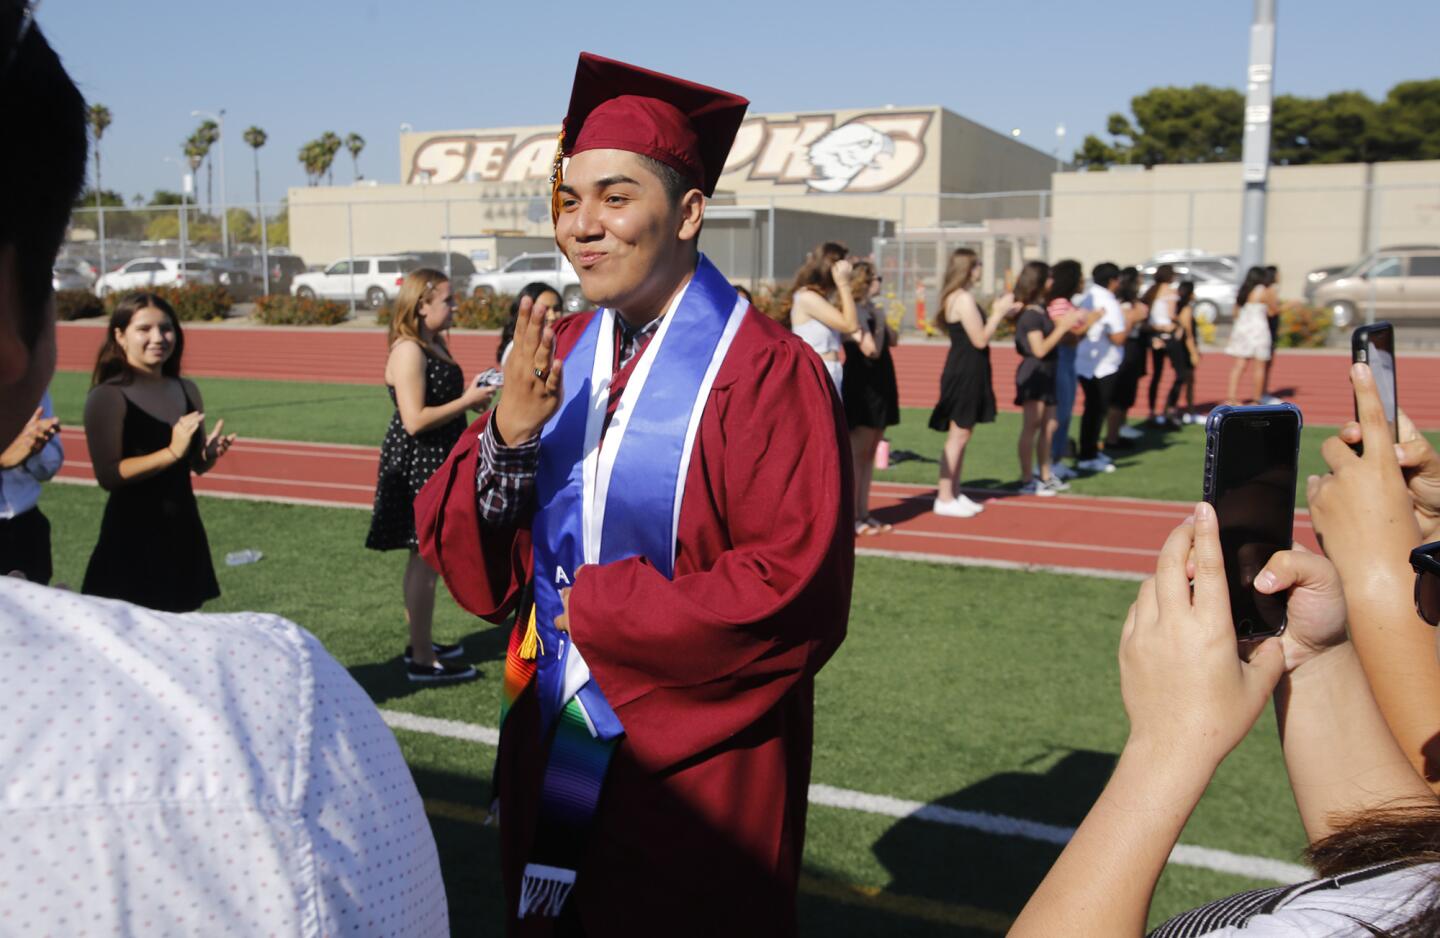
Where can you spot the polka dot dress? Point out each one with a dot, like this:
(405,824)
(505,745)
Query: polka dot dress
(181,775)
(407,462)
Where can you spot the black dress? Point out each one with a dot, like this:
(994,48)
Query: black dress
(872,397)
(1035,377)
(967,395)
(407,462)
(152,549)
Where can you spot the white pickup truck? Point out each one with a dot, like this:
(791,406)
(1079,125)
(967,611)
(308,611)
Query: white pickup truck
(549,267)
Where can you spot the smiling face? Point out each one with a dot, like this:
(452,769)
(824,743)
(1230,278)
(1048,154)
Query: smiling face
(630,245)
(148,340)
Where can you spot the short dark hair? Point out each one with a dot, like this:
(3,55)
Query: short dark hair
(1103,273)
(675,183)
(40,180)
(1030,285)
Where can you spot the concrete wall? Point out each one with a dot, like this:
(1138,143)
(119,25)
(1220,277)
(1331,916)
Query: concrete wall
(1316,215)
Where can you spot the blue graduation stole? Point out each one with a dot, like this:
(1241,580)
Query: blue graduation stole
(601,505)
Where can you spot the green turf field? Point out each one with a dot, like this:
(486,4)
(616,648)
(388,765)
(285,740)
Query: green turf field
(979,689)
(1163,466)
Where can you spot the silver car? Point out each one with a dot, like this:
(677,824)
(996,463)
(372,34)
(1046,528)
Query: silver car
(68,275)
(1400,282)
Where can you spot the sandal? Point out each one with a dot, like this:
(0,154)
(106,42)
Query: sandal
(880,526)
(864,528)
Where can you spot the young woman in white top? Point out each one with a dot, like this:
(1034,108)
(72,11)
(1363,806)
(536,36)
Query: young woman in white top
(813,316)
(1162,328)
(1250,335)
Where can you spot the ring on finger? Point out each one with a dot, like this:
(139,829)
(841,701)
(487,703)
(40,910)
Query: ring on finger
(542,374)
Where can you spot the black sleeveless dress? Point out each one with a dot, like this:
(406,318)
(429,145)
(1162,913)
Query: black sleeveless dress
(869,390)
(967,395)
(407,462)
(152,549)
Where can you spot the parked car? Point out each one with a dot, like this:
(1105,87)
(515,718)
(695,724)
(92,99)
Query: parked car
(1400,282)
(373,280)
(237,279)
(1318,276)
(1215,285)
(461,267)
(145,272)
(68,275)
(550,267)
(283,268)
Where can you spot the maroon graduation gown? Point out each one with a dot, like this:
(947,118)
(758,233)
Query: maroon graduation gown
(701,822)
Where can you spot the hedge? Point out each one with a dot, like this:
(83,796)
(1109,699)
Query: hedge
(77,304)
(284,310)
(1303,326)
(471,312)
(192,302)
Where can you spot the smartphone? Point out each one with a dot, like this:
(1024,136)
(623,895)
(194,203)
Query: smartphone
(1252,458)
(490,378)
(1375,346)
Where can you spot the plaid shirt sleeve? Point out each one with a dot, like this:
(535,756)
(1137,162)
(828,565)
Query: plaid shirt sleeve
(505,479)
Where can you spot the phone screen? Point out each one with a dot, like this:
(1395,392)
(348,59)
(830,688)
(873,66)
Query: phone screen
(1253,491)
(1380,354)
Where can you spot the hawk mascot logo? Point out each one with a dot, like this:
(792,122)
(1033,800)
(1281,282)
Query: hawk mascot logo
(841,154)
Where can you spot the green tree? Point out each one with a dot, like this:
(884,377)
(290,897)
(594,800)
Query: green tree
(330,144)
(1199,124)
(89,198)
(204,138)
(1411,114)
(312,157)
(355,143)
(166,197)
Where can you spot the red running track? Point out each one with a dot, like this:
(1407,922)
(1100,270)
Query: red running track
(1316,381)
(1014,531)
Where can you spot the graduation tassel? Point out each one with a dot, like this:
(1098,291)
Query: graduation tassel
(530,645)
(557,175)
(544,889)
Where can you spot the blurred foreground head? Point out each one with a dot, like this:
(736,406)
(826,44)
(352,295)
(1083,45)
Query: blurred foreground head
(40,175)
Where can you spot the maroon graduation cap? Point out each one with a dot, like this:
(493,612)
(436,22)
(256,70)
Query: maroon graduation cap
(615,106)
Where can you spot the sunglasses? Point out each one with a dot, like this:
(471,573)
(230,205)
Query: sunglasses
(1425,561)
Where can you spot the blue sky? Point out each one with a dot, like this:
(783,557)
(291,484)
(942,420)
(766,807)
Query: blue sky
(301,67)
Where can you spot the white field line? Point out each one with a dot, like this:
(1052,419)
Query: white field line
(1110,506)
(1000,825)
(241,496)
(1000,564)
(1022,542)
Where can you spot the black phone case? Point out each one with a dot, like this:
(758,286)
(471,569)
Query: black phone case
(1213,423)
(1360,352)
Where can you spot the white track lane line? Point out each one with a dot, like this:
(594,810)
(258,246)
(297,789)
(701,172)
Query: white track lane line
(1000,825)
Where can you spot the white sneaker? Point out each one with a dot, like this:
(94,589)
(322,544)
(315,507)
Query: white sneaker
(1105,458)
(970,503)
(1061,471)
(1128,432)
(956,508)
(1271,399)
(1097,464)
(1056,484)
(1191,419)
(1036,487)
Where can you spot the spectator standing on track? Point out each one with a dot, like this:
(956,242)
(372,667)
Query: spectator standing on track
(1037,338)
(967,392)
(145,428)
(1272,302)
(1119,435)
(431,400)
(211,773)
(825,276)
(1097,363)
(1161,298)
(1184,354)
(871,396)
(1065,277)
(541,294)
(31,458)
(1250,335)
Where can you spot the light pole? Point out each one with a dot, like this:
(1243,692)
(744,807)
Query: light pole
(219,119)
(1059,146)
(185,182)
(1255,151)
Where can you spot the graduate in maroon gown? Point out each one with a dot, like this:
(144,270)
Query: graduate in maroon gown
(664,494)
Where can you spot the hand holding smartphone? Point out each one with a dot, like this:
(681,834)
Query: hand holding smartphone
(1374,345)
(1252,458)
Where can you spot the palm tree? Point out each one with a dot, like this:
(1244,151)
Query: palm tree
(312,157)
(330,145)
(206,136)
(256,138)
(355,143)
(98,116)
